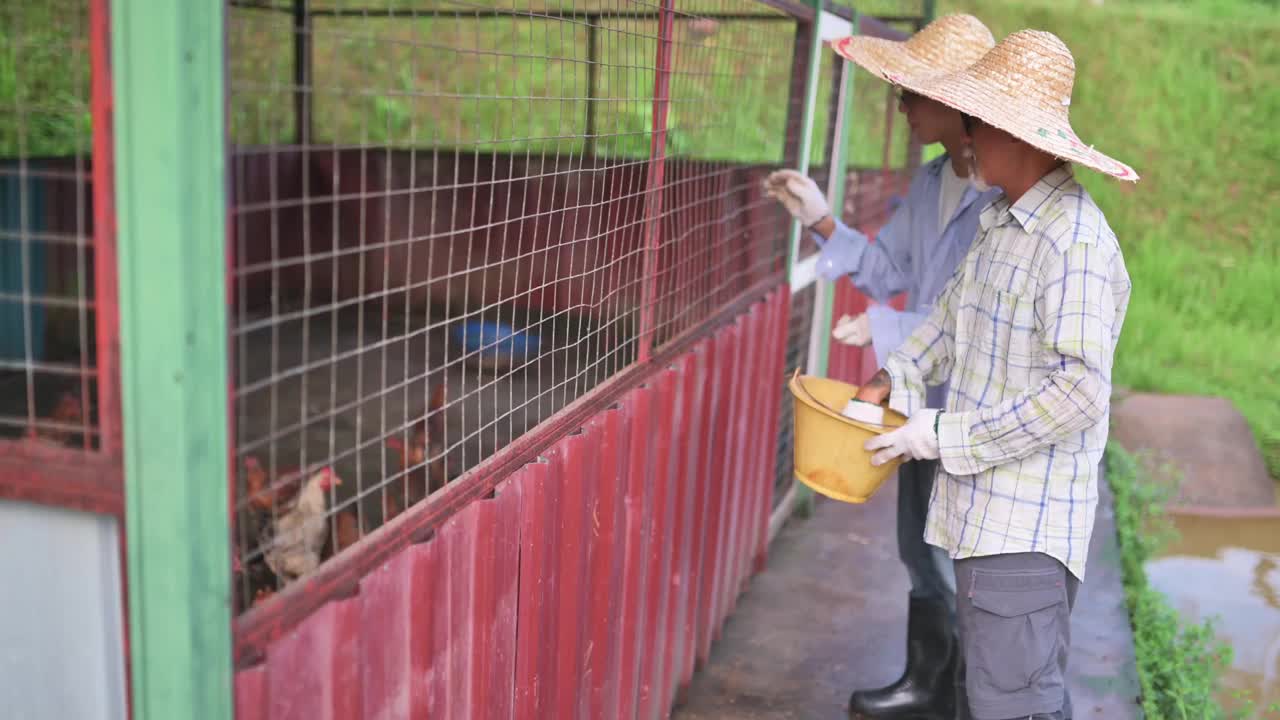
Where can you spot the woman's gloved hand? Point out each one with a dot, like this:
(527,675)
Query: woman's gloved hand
(851,330)
(917,440)
(799,195)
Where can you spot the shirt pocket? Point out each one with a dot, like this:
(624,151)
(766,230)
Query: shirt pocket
(1000,333)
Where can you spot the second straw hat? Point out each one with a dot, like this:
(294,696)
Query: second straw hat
(948,44)
(1023,87)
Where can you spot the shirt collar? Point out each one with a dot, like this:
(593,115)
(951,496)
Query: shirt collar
(1029,209)
(995,214)
(935,165)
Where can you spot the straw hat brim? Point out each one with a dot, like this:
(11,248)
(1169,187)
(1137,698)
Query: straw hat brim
(1017,116)
(887,59)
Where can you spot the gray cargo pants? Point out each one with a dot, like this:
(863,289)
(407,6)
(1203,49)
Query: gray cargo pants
(1014,616)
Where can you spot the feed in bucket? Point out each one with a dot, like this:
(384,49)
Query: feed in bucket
(829,452)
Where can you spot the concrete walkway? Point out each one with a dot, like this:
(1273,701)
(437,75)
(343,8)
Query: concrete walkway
(829,614)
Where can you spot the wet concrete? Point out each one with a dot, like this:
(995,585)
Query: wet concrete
(1226,565)
(829,614)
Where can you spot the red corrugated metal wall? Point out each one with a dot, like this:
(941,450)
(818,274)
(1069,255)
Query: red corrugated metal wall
(588,586)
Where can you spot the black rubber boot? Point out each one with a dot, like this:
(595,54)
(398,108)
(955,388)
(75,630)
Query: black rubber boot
(927,688)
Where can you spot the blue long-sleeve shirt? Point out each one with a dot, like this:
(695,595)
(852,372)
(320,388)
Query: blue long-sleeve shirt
(911,254)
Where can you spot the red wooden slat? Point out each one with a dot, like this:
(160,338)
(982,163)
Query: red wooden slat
(659,561)
(742,421)
(702,460)
(396,627)
(313,672)
(602,667)
(496,559)
(573,459)
(688,415)
(457,538)
(742,469)
(782,312)
(536,616)
(251,693)
(721,359)
(731,374)
(752,471)
(771,385)
(639,501)
(732,482)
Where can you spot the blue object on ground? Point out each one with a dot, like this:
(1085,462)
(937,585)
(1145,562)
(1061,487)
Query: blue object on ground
(495,340)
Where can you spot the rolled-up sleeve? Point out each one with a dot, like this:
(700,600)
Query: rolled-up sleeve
(927,355)
(881,269)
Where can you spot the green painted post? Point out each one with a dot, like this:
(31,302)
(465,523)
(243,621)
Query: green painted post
(839,172)
(167,62)
(804,496)
(806,123)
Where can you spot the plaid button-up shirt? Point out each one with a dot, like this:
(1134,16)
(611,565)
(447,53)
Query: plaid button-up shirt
(1024,332)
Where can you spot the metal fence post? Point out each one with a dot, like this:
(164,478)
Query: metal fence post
(171,182)
(838,163)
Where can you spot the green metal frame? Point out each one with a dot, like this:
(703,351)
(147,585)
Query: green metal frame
(167,61)
(839,174)
(806,124)
(820,340)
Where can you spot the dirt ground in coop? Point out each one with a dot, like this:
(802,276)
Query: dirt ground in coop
(394,406)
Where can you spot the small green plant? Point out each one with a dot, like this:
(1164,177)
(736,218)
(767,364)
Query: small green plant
(1179,663)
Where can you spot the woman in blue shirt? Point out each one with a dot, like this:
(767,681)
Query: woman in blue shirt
(915,253)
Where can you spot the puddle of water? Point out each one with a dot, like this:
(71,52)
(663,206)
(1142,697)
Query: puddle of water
(1229,568)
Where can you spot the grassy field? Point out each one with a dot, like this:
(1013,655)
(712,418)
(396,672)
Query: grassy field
(1189,94)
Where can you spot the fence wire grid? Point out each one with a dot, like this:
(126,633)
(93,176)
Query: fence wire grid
(48,363)
(448,225)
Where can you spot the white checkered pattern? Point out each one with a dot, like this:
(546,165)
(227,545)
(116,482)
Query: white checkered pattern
(1024,332)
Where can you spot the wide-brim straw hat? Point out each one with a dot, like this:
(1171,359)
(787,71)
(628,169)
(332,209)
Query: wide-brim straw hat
(1023,87)
(946,45)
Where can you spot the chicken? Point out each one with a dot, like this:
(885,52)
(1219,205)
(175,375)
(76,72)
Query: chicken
(294,539)
(68,411)
(422,469)
(346,530)
(263,494)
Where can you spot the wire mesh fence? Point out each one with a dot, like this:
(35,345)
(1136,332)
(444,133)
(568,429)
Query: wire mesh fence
(450,224)
(48,363)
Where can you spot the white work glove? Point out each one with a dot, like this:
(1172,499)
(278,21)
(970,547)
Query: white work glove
(917,440)
(854,331)
(799,195)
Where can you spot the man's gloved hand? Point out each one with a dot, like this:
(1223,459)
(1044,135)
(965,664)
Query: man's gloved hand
(917,440)
(853,330)
(799,195)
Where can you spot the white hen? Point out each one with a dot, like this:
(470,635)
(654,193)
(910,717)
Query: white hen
(293,542)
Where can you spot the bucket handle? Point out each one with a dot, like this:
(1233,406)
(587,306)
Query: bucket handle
(795,379)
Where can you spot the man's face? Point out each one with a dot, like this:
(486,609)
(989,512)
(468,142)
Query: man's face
(930,120)
(996,152)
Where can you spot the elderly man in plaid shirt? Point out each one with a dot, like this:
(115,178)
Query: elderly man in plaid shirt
(1024,333)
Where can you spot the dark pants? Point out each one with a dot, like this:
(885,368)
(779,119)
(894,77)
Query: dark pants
(929,567)
(1014,615)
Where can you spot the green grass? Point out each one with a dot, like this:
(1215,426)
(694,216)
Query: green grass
(1179,664)
(1189,94)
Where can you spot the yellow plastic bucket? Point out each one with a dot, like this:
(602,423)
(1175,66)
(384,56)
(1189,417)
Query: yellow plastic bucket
(829,456)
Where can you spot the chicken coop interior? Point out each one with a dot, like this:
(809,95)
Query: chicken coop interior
(448,225)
